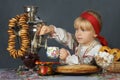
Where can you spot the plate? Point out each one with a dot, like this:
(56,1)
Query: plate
(77,69)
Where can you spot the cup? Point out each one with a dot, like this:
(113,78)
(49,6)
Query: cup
(53,52)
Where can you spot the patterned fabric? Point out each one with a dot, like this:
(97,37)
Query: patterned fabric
(8,74)
(11,74)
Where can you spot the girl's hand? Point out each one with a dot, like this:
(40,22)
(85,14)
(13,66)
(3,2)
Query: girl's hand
(44,29)
(63,54)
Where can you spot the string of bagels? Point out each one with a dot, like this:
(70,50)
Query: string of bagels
(18,22)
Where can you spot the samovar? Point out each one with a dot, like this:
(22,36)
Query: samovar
(36,41)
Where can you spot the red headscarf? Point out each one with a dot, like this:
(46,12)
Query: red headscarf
(96,25)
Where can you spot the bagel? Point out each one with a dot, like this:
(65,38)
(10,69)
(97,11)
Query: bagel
(105,49)
(116,53)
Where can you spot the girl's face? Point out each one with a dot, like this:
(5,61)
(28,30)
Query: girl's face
(85,36)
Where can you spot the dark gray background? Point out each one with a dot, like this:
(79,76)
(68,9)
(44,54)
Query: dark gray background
(62,14)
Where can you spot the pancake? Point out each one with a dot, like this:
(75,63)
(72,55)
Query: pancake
(80,68)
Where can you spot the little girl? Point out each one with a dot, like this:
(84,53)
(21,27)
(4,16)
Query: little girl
(87,36)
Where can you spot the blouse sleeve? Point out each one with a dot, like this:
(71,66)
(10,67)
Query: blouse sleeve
(71,59)
(63,37)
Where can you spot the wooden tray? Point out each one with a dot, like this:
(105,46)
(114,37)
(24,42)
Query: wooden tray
(77,69)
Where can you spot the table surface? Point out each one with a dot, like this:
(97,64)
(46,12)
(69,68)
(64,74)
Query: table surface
(11,74)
